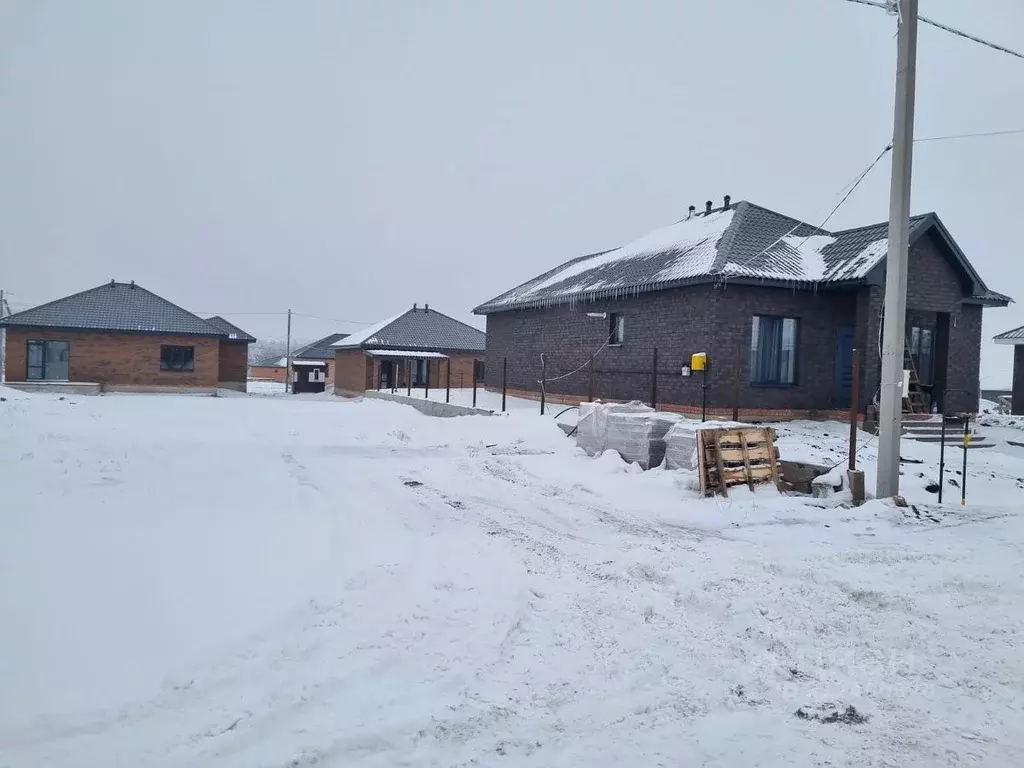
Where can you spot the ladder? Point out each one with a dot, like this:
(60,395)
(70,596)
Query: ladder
(914,399)
(737,456)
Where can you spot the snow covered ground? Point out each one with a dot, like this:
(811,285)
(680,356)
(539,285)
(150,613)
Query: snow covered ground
(270,581)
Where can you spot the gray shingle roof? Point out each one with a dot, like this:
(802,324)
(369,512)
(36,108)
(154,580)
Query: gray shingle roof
(114,307)
(419,329)
(230,331)
(1016,336)
(745,242)
(319,349)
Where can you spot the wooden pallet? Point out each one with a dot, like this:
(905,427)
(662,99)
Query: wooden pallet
(739,456)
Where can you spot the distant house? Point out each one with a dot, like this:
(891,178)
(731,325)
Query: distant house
(119,336)
(233,360)
(1016,338)
(416,348)
(272,368)
(778,305)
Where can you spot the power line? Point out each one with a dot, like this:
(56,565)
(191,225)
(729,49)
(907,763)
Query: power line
(1010,132)
(891,7)
(849,190)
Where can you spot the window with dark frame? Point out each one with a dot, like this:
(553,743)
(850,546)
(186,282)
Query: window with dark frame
(922,350)
(419,373)
(773,350)
(616,327)
(178,359)
(47,360)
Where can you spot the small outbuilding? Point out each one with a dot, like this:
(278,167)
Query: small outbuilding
(1016,338)
(309,376)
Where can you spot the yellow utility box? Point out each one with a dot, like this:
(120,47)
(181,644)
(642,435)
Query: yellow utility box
(699,361)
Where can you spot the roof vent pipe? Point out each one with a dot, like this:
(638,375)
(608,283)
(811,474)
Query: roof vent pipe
(691,211)
(111,282)
(414,306)
(728,198)
(426,307)
(133,284)
(707,208)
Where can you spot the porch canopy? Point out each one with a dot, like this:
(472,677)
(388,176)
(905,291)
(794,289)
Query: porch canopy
(405,353)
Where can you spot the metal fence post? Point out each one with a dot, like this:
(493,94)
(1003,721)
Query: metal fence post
(543,381)
(504,381)
(474,383)
(654,379)
(448,382)
(967,444)
(408,377)
(854,406)
(426,380)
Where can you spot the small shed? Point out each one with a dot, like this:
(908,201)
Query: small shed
(309,376)
(1015,338)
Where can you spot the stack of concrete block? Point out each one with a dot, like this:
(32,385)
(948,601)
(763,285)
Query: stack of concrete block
(681,441)
(634,430)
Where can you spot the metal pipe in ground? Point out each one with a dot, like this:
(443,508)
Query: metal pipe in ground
(504,381)
(543,381)
(448,382)
(474,382)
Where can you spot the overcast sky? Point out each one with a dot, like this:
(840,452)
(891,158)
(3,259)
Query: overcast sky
(347,159)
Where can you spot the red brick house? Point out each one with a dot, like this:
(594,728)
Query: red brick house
(419,347)
(121,337)
(777,305)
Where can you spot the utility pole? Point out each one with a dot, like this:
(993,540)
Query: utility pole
(288,357)
(893,341)
(3,341)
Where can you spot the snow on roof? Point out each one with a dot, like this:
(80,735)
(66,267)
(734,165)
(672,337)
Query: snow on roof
(404,353)
(746,242)
(691,245)
(308,362)
(366,335)
(795,257)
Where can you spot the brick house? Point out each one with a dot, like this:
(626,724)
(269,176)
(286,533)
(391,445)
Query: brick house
(778,306)
(119,336)
(420,347)
(1015,338)
(233,360)
(273,368)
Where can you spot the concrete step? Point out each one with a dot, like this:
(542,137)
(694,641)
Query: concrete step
(937,438)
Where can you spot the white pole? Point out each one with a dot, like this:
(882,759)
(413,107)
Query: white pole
(288,357)
(893,341)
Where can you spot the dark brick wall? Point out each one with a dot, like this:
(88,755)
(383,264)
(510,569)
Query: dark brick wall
(679,322)
(964,365)
(1017,403)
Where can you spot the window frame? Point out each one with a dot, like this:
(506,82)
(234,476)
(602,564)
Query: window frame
(925,374)
(416,380)
(167,368)
(616,329)
(776,383)
(44,343)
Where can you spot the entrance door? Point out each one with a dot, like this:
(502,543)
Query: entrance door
(843,366)
(387,374)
